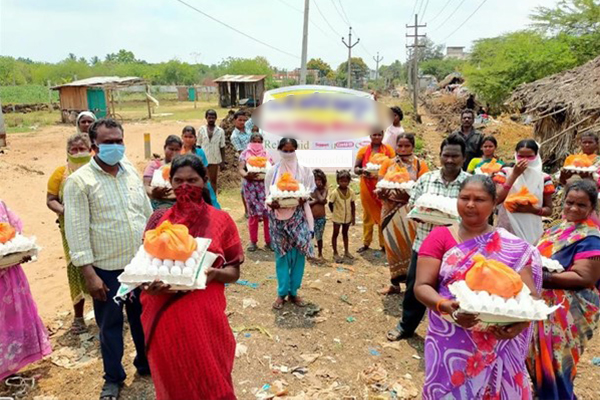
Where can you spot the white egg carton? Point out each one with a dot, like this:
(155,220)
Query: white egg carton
(590,169)
(552,265)
(15,250)
(252,168)
(478,171)
(407,186)
(435,210)
(180,275)
(496,310)
(287,199)
(158,180)
(372,167)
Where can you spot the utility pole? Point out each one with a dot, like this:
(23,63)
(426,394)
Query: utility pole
(304,45)
(377,60)
(349,45)
(415,67)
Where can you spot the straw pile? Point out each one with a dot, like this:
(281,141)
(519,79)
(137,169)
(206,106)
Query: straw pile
(562,106)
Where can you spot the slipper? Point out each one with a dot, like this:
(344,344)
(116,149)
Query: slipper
(78,327)
(338,259)
(395,335)
(297,301)
(278,304)
(362,249)
(110,391)
(349,256)
(252,247)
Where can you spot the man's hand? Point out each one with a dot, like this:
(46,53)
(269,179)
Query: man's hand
(160,192)
(222,166)
(95,286)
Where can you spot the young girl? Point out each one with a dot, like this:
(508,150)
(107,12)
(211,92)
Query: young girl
(341,204)
(318,201)
(162,197)
(189,138)
(488,147)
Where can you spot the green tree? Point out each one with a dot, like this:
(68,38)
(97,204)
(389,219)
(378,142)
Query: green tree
(431,51)
(440,68)
(360,71)
(322,66)
(393,74)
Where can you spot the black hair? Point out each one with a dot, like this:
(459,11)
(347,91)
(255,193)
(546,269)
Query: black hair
(285,141)
(591,134)
(255,134)
(210,112)
(194,162)
(345,173)
(106,122)
(528,144)
(587,186)
(467,111)
(189,128)
(319,174)
(239,114)
(454,139)
(398,111)
(488,185)
(490,138)
(408,136)
(173,139)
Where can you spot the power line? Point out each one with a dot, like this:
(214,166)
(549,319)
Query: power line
(339,13)
(414,8)
(344,12)
(424,10)
(236,30)
(466,20)
(302,12)
(316,3)
(449,16)
(440,12)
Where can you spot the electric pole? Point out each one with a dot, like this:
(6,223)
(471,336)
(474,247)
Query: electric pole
(377,60)
(415,67)
(349,45)
(304,45)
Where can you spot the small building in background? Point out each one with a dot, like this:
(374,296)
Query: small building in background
(236,90)
(457,52)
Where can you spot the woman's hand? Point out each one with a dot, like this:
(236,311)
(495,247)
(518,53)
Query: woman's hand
(211,274)
(301,201)
(160,192)
(25,259)
(506,332)
(527,209)
(399,196)
(520,167)
(274,205)
(251,176)
(466,320)
(157,287)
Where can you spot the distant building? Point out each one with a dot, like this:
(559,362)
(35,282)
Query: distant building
(372,74)
(457,52)
(295,75)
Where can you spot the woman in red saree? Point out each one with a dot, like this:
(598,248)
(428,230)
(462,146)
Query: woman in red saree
(368,180)
(189,343)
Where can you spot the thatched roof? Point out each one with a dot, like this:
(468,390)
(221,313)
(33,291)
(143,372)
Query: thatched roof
(562,106)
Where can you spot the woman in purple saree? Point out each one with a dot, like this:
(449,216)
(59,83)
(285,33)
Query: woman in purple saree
(461,363)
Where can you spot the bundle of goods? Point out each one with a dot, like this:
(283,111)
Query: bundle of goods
(489,169)
(287,191)
(170,254)
(375,162)
(14,247)
(160,178)
(435,209)
(397,179)
(259,165)
(580,163)
(522,197)
(552,265)
(497,294)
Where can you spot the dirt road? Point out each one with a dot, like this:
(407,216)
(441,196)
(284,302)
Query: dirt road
(334,349)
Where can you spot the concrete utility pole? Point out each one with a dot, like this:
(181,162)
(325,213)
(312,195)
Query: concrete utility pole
(377,60)
(304,45)
(349,45)
(415,67)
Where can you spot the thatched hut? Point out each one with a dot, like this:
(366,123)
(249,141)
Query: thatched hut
(561,107)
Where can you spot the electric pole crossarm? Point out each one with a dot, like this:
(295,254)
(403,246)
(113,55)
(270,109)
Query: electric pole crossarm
(349,46)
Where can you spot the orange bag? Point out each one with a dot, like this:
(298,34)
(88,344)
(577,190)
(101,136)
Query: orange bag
(170,242)
(580,160)
(166,172)
(398,175)
(492,167)
(288,183)
(258,162)
(7,232)
(522,197)
(378,158)
(493,277)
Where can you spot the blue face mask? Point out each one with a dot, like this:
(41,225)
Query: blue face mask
(111,154)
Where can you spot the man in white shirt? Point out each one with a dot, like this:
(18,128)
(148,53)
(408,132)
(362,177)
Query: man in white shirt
(211,139)
(390,137)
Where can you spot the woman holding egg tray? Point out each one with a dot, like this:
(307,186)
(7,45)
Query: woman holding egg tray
(181,328)
(460,361)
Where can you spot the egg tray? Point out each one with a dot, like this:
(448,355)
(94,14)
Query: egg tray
(572,168)
(446,205)
(252,168)
(433,217)
(495,310)
(405,186)
(9,260)
(158,180)
(552,265)
(373,167)
(143,268)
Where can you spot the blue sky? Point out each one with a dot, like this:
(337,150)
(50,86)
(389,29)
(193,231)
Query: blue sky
(160,30)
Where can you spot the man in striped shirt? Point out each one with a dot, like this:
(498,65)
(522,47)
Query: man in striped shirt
(106,209)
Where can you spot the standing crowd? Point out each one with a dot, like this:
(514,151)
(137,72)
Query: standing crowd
(183,339)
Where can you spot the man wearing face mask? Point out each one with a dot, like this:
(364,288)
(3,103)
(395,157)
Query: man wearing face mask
(472,137)
(106,210)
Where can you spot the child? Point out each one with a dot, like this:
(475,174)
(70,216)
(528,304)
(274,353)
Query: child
(318,201)
(341,204)
(488,147)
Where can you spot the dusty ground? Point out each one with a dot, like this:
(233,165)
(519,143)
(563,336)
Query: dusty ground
(323,351)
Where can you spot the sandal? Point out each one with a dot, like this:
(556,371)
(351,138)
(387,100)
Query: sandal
(338,259)
(297,301)
(278,304)
(78,327)
(390,290)
(269,247)
(252,247)
(395,335)
(362,249)
(349,256)
(110,391)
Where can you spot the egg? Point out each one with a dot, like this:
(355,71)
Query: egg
(176,271)
(195,255)
(156,262)
(152,270)
(191,263)
(168,263)
(162,270)
(179,264)
(187,272)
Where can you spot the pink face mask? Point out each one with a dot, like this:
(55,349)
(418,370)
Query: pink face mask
(255,146)
(531,158)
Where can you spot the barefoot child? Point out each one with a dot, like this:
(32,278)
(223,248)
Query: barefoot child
(341,204)
(318,201)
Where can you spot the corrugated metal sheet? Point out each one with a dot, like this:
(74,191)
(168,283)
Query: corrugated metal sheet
(240,78)
(104,81)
